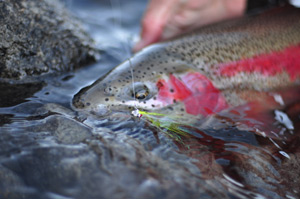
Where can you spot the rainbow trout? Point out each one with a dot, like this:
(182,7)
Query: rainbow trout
(221,66)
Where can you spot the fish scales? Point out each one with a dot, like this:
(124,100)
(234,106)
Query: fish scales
(248,45)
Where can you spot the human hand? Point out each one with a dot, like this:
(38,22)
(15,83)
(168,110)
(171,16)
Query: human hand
(165,19)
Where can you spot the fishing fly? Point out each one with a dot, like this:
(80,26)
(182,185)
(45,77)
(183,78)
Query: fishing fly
(136,113)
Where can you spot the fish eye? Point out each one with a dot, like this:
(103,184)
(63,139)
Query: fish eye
(141,93)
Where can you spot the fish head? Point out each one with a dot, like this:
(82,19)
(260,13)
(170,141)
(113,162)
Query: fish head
(141,82)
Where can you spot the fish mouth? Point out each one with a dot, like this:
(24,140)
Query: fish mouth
(101,109)
(78,103)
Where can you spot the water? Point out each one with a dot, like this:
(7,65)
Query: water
(47,150)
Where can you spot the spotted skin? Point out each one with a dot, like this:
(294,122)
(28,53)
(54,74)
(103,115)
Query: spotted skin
(204,52)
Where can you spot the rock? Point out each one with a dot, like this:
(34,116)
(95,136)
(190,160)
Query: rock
(59,123)
(64,130)
(9,183)
(69,164)
(54,108)
(40,37)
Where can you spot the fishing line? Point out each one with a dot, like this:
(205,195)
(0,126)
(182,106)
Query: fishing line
(117,23)
(133,89)
(116,5)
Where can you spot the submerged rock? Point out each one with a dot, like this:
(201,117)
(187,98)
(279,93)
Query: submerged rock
(40,37)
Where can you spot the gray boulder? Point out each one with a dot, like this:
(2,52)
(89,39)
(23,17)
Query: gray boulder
(39,37)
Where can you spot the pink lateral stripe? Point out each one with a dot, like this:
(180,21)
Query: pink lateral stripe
(271,64)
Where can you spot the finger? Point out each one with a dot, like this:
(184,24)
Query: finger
(157,16)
